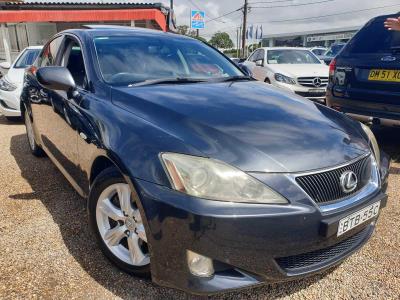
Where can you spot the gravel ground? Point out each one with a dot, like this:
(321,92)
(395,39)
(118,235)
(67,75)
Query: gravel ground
(47,251)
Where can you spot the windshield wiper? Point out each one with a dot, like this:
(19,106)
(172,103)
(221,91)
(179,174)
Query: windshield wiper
(235,78)
(173,80)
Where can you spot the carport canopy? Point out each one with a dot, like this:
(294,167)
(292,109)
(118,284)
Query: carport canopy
(39,11)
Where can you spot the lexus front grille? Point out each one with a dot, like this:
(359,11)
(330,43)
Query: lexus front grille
(325,187)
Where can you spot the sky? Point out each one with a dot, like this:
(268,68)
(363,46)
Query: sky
(279,19)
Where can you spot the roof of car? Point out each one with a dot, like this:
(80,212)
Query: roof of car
(34,47)
(110,30)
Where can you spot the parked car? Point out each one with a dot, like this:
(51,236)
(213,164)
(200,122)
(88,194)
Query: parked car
(194,171)
(365,76)
(332,52)
(318,51)
(11,83)
(296,70)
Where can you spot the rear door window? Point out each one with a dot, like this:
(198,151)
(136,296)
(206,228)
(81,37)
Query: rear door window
(374,38)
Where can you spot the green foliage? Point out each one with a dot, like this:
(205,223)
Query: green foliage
(221,40)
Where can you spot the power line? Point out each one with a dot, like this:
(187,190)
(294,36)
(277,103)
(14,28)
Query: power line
(224,15)
(292,5)
(336,14)
(275,1)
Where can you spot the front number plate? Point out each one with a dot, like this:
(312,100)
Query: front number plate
(358,218)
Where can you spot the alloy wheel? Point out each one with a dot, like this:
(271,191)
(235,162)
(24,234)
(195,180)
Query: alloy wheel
(120,225)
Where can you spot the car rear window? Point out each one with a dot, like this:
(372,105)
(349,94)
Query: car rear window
(374,38)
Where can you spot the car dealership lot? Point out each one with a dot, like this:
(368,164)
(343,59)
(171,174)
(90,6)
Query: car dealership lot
(47,250)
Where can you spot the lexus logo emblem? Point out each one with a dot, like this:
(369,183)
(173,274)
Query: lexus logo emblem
(317,82)
(348,181)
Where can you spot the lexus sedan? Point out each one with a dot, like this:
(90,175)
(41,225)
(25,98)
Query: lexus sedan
(296,70)
(11,83)
(195,173)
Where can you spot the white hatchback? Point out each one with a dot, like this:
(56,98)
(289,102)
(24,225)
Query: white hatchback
(11,84)
(297,70)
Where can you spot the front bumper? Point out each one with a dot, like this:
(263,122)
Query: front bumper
(250,244)
(10,103)
(303,91)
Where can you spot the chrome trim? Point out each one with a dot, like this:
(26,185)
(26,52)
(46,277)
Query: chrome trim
(316,171)
(369,189)
(372,187)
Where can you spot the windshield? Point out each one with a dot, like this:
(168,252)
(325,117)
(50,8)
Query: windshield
(374,38)
(126,60)
(291,56)
(318,51)
(27,58)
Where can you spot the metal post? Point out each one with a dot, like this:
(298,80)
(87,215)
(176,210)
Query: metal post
(6,42)
(245,7)
(171,4)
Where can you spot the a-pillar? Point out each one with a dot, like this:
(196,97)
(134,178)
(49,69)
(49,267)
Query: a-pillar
(6,41)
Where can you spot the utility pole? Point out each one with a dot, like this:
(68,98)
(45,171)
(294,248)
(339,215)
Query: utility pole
(245,8)
(171,4)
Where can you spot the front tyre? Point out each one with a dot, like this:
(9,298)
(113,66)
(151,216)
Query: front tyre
(117,224)
(36,150)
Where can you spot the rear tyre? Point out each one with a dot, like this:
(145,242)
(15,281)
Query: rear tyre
(117,223)
(36,150)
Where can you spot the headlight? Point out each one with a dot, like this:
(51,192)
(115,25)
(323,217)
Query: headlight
(285,79)
(215,180)
(373,142)
(6,85)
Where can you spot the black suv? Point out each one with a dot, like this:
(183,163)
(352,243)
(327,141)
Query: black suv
(365,76)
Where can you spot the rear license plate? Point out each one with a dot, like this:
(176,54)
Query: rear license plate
(384,75)
(358,218)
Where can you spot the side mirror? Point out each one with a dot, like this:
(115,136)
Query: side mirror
(55,78)
(5,65)
(259,63)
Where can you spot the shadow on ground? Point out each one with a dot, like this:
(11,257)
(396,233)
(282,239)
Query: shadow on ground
(69,212)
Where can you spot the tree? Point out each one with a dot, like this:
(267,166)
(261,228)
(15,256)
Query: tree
(221,40)
(182,29)
(200,38)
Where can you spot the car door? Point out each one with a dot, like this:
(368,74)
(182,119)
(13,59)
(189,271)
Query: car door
(72,123)
(39,97)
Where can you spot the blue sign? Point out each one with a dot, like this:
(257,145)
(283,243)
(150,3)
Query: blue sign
(197,19)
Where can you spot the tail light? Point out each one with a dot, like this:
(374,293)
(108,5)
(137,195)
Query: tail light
(332,68)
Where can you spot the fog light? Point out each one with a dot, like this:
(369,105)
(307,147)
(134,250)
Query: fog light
(199,265)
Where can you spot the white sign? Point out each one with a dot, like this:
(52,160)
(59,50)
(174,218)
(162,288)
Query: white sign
(331,37)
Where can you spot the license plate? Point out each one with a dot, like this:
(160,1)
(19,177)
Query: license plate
(316,90)
(384,75)
(358,218)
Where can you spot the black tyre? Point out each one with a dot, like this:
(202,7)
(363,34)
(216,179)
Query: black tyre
(267,81)
(117,223)
(36,150)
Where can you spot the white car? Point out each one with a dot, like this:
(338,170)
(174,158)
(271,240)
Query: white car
(11,83)
(297,70)
(318,51)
